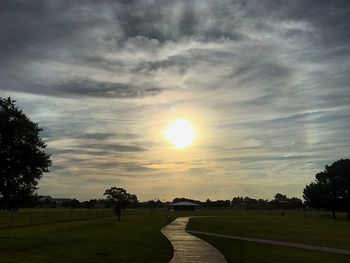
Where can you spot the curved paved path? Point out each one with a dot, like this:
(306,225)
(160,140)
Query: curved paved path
(279,243)
(188,248)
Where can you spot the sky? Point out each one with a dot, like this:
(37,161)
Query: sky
(265,84)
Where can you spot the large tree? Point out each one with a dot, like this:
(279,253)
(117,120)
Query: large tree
(331,190)
(281,201)
(22,156)
(120,199)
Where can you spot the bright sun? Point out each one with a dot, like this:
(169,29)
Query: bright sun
(180,133)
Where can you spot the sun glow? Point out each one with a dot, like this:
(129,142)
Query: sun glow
(180,133)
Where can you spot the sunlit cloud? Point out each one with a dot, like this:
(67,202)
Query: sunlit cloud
(265,85)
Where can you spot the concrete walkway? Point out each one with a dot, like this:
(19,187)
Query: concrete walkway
(188,248)
(279,243)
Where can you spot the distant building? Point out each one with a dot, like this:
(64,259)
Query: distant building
(59,201)
(44,198)
(48,201)
(183,206)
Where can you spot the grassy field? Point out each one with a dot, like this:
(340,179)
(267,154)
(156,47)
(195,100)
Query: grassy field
(316,230)
(136,238)
(97,236)
(242,252)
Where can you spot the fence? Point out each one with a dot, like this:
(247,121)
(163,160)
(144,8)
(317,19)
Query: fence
(29,217)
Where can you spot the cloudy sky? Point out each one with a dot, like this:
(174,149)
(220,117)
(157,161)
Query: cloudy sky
(264,83)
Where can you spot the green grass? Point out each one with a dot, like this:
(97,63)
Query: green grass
(136,238)
(39,216)
(242,251)
(316,230)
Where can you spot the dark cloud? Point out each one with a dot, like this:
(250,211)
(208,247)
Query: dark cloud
(77,151)
(179,63)
(81,32)
(162,20)
(90,88)
(97,148)
(261,158)
(94,136)
(30,30)
(104,89)
(104,136)
(113,147)
(273,77)
(173,20)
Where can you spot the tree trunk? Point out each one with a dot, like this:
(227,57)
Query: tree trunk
(119,217)
(333,214)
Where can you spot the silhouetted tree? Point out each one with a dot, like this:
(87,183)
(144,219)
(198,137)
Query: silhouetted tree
(331,189)
(207,203)
(120,199)
(280,201)
(217,203)
(295,203)
(151,204)
(134,202)
(263,204)
(22,156)
(250,203)
(237,202)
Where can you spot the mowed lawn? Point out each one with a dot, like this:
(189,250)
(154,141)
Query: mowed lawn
(237,251)
(136,238)
(316,230)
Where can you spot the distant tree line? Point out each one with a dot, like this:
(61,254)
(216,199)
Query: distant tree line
(279,202)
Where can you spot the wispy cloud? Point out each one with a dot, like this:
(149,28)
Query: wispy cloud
(266,84)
